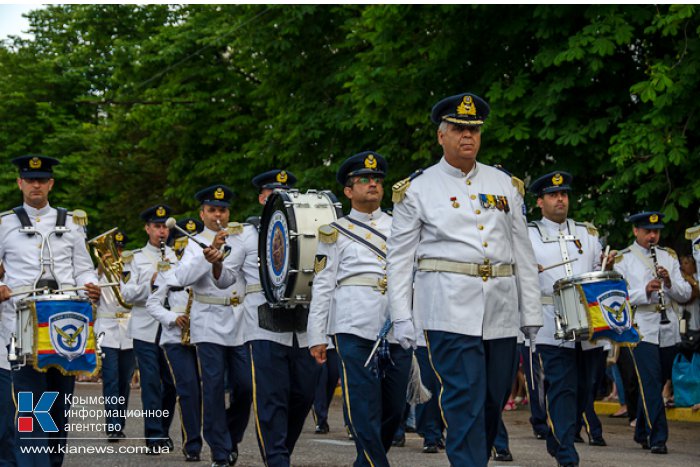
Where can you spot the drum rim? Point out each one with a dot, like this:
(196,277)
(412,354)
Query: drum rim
(586,277)
(52,297)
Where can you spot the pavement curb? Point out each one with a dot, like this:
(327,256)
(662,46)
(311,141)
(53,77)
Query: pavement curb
(679,414)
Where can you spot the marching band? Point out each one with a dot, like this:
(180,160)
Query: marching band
(223,318)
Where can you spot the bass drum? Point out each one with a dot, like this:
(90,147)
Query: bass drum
(287,243)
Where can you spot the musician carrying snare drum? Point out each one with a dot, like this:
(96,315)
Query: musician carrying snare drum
(43,248)
(655,284)
(569,367)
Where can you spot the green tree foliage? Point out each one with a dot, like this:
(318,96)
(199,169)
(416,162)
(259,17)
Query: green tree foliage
(148,103)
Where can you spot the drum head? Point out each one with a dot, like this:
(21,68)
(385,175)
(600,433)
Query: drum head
(277,250)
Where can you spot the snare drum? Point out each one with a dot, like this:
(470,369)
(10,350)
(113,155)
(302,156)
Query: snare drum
(287,243)
(56,330)
(593,306)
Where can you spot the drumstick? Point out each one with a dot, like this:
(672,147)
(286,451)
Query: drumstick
(171,223)
(25,292)
(74,289)
(559,264)
(605,258)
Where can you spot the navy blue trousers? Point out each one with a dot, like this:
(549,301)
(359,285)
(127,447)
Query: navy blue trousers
(117,371)
(500,444)
(590,364)
(538,415)
(7,421)
(476,378)
(223,428)
(284,385)
(560,384)
(428,419)
(375,405)
(182,361)
(28,379)
(327,382)
(157,389)
(653,365)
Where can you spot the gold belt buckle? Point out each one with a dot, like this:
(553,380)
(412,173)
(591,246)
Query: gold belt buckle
(485,270)
(119,314)
(235,300)
(382,284)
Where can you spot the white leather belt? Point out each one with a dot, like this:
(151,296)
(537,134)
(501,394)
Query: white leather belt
(214,300)
(366,280)
(252,288)
(180,310)
(648,308)
(484,270)
(546,300)
(117,315)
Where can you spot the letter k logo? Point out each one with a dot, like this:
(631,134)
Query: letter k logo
(25,403)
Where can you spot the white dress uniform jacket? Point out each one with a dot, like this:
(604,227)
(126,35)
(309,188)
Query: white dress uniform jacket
(215,324)
(349,309)
(638,273)
(20,255)
(137,288)
(243,262)
(115,329)
(550,252)
(442,217)
(177,303)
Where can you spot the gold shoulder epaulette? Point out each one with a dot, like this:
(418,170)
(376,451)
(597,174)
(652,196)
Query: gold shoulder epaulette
(592,230)
(620,255)
(690,234)
(671,252)
(398,190)
(327,234)
(519,184)
(127,256)
(234,228)
(80,217)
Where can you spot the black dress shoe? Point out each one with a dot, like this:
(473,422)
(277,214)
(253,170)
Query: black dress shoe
(219,464)
(597,442)
(441,443)
(659,449)
(120,435)
(233,457)
(644,445)
(578,439)
(167,444)
(567,465)
(153,449)
(541,435)
(430,449)
(399,442)
(322,429)
(191,457)
(113,437)
(503,456)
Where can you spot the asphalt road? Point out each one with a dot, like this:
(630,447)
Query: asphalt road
(334,449)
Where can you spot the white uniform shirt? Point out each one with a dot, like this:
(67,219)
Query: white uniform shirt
(115,329)
(638,273)
(171,333)
(216,324)
(143,265)
(349,309)
(428,225)
(550,252)
(243,261)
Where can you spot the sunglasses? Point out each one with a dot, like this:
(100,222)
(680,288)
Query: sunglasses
(367,179)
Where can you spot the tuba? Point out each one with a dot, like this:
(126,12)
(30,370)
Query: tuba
(109,261)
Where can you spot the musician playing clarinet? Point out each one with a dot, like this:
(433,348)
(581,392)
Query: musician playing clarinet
(570,368)
(140,270)
(24,236)
(655,285)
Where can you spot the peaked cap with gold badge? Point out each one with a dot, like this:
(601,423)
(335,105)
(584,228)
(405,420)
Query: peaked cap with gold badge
(157,214)
(274,179)
(33,166)
(215,195)
(551,183)
(362,163)
(462,109)
(651,220)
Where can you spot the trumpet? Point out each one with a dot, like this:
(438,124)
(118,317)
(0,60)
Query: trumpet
(662,294)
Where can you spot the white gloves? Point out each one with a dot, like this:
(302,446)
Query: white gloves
(530,333)
(405,333)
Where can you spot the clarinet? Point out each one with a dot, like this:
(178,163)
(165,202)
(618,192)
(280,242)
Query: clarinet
(662,294)
(163,264)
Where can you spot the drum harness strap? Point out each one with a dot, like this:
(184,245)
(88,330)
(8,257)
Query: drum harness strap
(21,213)
(371,239)
(562,239)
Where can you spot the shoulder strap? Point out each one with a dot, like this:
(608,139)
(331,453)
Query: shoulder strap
(363,234)
(61,214)
(23,217)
